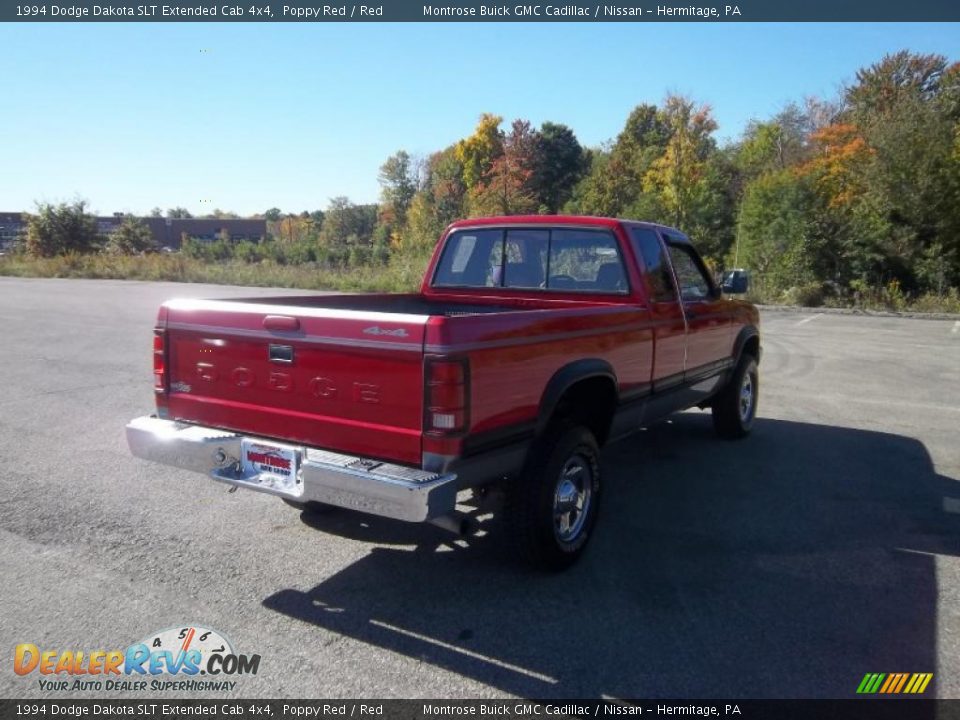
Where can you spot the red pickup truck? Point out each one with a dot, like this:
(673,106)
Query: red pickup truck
(532,342)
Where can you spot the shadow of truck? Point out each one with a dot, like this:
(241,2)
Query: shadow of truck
(786,565)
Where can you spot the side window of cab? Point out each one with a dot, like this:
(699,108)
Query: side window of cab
(693,279)
(656,268)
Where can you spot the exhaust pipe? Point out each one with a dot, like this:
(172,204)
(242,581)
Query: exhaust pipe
(458,523)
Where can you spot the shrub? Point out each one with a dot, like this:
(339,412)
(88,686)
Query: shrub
(248,252)
(131,238)
(811,294)
(948,302)
(60,229)
(359,255)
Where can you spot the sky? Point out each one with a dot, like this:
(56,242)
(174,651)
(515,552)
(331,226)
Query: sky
(245,117)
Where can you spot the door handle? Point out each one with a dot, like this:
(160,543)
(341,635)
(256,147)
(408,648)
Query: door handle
(281,322)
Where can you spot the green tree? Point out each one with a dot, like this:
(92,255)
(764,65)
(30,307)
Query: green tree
(913,180)
(907,110)
(762,149)
(775,238)
(58,229)
(560,165)
(273,214)
(883,175)
(613,186)
(712,219)
(398,184)
(678,176)
(131,238)
(178,213)
(899,77)
(346,223)
(603,190)
(644,138)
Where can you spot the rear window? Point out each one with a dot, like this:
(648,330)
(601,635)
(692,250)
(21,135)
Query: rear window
(560,259)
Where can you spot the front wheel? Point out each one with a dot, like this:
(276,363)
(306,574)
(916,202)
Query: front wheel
(552,508)
(735,407)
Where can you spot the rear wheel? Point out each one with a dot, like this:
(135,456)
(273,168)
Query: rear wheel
(551,510)
(735,408)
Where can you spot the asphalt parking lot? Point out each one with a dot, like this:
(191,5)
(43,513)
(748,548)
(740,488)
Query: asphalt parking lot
(790,564)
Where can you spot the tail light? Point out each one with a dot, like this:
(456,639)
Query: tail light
(447,396)
(160,384)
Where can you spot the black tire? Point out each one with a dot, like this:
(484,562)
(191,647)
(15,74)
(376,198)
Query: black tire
(565,461)
(733,410)
(311,507)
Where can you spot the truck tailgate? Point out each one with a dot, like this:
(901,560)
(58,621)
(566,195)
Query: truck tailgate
(344,380)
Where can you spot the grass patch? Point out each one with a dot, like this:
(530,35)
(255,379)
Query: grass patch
(396,277)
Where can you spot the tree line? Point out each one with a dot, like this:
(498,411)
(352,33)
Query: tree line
(842,196)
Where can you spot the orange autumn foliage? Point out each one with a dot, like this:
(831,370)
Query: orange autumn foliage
(836,168)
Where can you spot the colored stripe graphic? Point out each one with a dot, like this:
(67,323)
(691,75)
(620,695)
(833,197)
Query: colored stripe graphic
(895,680)
(894,683)
(870,683)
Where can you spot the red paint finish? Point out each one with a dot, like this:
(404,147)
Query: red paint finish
(330,372)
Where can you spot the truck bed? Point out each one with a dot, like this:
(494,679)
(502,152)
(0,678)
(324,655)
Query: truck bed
(406,304)
(346,372)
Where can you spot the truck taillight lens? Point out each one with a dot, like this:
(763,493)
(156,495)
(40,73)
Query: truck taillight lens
(159,361)
(447,396)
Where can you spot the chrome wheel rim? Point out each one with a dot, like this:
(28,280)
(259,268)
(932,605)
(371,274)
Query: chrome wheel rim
(746,397)
(571,499)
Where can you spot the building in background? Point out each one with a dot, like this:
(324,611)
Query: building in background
(170,232)
(167,232)
(12,225)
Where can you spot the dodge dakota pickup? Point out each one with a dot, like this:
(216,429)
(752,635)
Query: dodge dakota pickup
(533,341)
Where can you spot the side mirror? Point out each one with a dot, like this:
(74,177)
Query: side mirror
(735,282)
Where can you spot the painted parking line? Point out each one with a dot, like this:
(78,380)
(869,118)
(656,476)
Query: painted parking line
(808,319)
(956,327)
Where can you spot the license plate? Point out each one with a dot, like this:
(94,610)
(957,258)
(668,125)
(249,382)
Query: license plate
(276,463)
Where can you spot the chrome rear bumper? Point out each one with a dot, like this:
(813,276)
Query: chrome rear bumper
(384,489)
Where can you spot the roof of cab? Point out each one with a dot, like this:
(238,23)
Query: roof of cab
(554,220)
